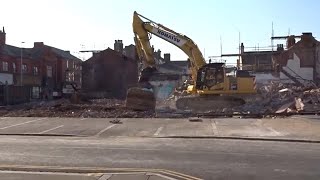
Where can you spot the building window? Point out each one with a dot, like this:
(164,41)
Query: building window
(36,92)
(24,68)
(35,70)
(14,67)
(49,71)
(4,66)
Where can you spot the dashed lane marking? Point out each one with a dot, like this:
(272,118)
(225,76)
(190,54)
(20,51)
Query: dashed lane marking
(158,131)
(22,123)
(48,130)
(105,129)
(214,127)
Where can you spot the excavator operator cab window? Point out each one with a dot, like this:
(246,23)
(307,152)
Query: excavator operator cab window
(210,75)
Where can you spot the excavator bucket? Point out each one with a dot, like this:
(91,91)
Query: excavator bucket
(141,99)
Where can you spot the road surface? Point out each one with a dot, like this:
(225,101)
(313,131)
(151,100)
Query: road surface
(204,158)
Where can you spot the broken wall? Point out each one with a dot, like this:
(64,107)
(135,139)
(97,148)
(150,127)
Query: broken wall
(300,62)
(294,68)
(163,89)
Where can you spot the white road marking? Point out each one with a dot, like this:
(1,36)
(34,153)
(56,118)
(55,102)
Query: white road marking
(273,131)
(105,177)
(214,127)
(4,118)
(22,123)
(105,129)
(83,119)
(158,131)
(50,129)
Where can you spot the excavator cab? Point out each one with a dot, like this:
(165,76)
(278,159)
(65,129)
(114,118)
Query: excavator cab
(210,75)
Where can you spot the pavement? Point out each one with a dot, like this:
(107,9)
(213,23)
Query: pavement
(301,128)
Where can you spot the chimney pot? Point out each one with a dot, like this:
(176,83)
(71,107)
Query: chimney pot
(38,44)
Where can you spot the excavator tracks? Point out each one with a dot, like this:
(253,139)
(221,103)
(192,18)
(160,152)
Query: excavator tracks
(207,103)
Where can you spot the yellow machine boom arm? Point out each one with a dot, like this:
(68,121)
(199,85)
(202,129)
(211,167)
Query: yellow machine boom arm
(142,28)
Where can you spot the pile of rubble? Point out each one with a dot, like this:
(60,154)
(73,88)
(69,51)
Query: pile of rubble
(278,98)
(275,98)
(98,108)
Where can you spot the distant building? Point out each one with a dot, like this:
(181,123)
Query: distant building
(178,67)
(257,61)
(130,51)
(109,74)
(44,69)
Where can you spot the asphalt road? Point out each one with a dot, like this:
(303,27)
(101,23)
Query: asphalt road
(204,158)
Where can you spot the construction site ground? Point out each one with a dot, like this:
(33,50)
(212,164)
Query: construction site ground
(97,108)
(272,100)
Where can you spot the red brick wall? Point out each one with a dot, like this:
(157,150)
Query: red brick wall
(28,77)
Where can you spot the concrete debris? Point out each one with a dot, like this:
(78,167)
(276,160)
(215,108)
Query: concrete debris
(283,98)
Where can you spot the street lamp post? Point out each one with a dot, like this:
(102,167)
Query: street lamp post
(21,64)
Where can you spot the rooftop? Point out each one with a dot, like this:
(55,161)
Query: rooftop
(35,52)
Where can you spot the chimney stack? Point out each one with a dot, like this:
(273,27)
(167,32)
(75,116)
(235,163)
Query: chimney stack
(166,57)
(2,37)
(242,48)
(118,46)
(38,44)
(307,37)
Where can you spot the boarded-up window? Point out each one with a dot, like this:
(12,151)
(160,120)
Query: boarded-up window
(14,67)
(24,68)
(49,71)
(35,70)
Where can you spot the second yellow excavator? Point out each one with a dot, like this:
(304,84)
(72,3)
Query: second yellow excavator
(211,88)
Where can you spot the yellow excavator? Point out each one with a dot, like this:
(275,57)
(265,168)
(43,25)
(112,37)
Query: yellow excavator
(211,88)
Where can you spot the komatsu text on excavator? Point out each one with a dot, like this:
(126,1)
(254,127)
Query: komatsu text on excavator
(211,88)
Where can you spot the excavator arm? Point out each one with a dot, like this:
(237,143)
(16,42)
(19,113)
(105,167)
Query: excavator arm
(143,29)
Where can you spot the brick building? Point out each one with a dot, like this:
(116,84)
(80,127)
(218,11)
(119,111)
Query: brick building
(109,73)
(43,68)
(300,62)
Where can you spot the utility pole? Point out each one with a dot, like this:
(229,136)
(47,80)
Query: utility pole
(21,72)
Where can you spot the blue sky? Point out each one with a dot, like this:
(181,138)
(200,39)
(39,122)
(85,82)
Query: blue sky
(77,25)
